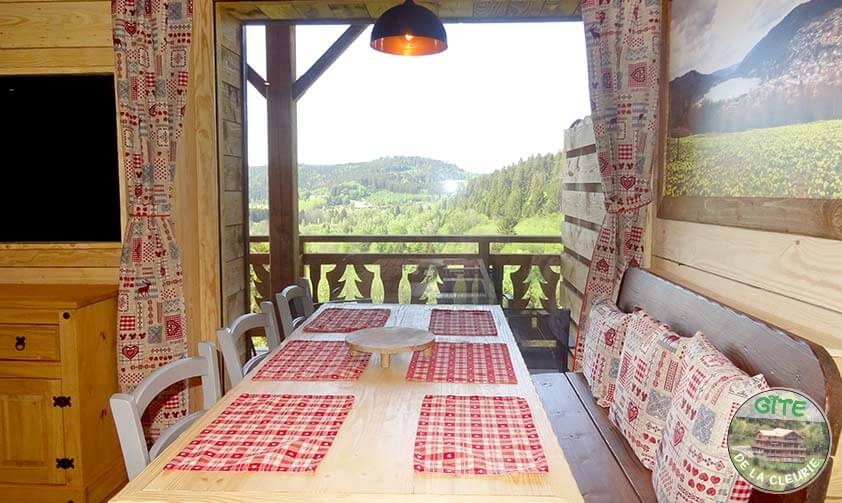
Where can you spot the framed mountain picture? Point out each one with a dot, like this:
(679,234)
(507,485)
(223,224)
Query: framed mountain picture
(753,133)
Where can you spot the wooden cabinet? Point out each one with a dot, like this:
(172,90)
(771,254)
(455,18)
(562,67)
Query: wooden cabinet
(57,370)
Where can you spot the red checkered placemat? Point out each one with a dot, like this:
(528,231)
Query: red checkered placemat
(267,433)
(313,361)
(479,435)
(347,320)
(462,322)
(463,362)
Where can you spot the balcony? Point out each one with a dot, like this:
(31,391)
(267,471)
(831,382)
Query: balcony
(521,273)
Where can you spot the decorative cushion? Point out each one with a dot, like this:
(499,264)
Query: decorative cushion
(692,461)
(649,367)
(603,345)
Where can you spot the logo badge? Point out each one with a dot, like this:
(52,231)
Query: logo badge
(779,440)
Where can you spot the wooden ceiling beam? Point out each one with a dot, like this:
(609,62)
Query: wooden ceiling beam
(300,86)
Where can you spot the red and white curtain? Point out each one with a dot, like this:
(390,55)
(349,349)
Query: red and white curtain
(152,48)
(623,39)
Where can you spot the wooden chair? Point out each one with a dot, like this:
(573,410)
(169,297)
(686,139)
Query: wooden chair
(128,408)
(299,295)
(232,341)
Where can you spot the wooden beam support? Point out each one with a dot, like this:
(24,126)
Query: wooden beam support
(282,169)
(256,80)
(325,60)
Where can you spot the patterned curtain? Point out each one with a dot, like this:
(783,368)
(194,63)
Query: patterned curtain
(623,39)
(151,46)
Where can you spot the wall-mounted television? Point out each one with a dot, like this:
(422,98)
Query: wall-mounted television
(59,175)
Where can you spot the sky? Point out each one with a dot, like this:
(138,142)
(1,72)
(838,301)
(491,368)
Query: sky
(499,93)
(709,35)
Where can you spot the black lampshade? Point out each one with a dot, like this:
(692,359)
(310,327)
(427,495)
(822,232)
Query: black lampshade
(409,29)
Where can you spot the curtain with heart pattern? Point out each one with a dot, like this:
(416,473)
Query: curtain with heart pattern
(623,39)
(152,49)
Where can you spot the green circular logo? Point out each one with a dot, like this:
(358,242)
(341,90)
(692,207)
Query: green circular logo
(779,440)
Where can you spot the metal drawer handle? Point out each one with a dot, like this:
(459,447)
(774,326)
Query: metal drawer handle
(20,343)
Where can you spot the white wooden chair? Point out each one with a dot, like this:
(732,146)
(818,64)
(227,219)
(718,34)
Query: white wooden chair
(128,408)
(231,340)
(300,295)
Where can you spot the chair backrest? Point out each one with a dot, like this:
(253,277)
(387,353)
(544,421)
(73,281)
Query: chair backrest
(128,408)
(232,339)
(300,295)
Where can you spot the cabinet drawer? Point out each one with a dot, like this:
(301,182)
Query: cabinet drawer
(29,342)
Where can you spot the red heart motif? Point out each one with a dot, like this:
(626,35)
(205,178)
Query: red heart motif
(700,487)
(695,471)
(703,476)
(131,28)
(602,265)
(633,411)
(609,337)
(678,435)
(711,491)
(714,479)
(627,181)
(130,351)
(691,483)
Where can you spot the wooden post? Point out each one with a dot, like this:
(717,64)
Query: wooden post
(283,162)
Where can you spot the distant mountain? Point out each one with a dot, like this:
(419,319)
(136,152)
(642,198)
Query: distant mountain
(399,174)
(395,174)
(790,76)
(805,33)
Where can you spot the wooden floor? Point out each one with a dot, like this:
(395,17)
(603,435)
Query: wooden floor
(539,339)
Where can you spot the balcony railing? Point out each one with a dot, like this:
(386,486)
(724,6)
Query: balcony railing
(519,272)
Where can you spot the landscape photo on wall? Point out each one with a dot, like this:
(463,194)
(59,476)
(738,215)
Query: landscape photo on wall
(755,100)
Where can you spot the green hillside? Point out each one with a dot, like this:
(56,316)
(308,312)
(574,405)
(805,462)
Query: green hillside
(798,161)
(526,189)
(415,195)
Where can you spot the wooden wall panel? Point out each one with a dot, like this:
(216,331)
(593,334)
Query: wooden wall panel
(55,24)
(587,206)
(804,268)
(811,322)
(574,271)
(196,204)
(582,203)
(582,169)
(233,193)
(579,239)
(56,60)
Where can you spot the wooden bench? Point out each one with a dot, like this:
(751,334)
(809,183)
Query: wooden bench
(605,467)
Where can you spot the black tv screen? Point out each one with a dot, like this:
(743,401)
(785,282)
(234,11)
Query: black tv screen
(59,180)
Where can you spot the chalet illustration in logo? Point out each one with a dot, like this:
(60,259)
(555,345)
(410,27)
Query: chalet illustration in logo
(780,444)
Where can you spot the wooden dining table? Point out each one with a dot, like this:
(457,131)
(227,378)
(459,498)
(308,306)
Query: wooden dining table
(371,459)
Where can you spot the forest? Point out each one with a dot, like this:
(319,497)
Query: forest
(415,195)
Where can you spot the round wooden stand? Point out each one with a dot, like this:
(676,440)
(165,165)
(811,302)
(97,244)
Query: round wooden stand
(389,340)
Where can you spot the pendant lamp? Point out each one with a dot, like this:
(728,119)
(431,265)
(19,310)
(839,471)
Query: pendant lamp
(409,29)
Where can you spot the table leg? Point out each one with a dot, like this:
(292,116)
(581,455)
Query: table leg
(385,360)
(428,353)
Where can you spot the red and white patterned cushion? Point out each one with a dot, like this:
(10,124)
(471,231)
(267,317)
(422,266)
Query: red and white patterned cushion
(692,463)
(649,373)
(603,346)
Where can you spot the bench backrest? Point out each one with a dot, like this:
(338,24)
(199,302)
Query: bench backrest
(786,360)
